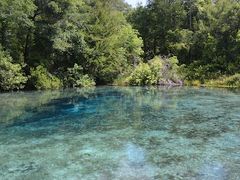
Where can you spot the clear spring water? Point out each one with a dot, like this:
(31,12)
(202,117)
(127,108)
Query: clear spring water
(120,133)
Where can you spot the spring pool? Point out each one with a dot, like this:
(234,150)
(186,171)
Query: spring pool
(123,133)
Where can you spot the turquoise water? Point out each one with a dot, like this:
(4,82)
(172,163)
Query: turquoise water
(121,133)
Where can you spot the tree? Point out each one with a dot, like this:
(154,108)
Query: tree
(15,22)
(201,33)
(97,36)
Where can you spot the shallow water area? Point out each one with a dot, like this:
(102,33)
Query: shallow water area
(121,133)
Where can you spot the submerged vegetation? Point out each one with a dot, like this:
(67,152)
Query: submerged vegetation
(120,133)
(52,44)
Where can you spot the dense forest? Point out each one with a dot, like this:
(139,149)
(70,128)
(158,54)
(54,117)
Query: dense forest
(51,44)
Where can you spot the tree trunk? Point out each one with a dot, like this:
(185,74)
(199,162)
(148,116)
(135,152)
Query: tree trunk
(28,38)
(26,47)
(3,34)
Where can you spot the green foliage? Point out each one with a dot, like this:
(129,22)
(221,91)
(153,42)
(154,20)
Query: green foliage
(85,81)
(233,80)
(179,43)
(155,21)
(73,75)
(159,70)
(192,83)
(76,79)
(58,34)
(15,24)
(202,73)
(122,80)
(225,81)
(11,76)
(156,65)
(117,44)
(104,43)
(142,75)
(204,35)
(42,79)
(173,70)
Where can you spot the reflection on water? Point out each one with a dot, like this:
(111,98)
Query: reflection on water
(120,133)
(135,154)
(213,171)
(133,164)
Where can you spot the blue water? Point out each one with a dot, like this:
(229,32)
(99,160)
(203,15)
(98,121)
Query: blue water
(123,133)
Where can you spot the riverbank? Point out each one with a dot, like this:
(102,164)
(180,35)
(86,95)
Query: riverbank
(222,82)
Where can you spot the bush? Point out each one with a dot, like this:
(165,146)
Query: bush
(76,79)
(233,81)
(156,66)
(84,81)
(122,80)
(195,71)
(42,79)
(173,70)
(142,75)
(157,71)
(11,75)
(192,83)
(224,81)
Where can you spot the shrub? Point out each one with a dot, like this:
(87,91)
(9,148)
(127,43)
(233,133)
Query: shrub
(122,80)
(172,72)
(85,81)
(156,66)
(224,81)
(233,81)
(142,75)
(192,83)
(42,79)
(76,79)
(11,75)
(195,71)
(155,71)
